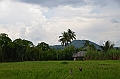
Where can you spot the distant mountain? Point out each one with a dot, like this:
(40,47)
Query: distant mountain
(57,47)
(80,43)
(77,44)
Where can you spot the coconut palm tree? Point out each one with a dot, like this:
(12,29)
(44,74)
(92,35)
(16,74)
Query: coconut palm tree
(64,39)
(107,46)
(71,34)
(67,37)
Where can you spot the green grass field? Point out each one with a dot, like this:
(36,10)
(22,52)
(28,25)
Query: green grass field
(109,69)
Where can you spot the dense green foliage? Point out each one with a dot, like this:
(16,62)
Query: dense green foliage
(108,52)
(98,55)
(61,70)
(24,50)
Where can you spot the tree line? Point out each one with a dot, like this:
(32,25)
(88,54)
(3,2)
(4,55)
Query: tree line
(106,51)
(24,50)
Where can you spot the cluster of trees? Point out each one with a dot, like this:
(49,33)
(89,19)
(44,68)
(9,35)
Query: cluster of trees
(25,50)
(107,52)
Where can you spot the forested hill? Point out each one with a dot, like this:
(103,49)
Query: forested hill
(77,44)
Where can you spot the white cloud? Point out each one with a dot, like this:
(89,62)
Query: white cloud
(36,23)
(21,20)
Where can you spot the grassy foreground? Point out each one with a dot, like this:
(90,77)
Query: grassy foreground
(109,69)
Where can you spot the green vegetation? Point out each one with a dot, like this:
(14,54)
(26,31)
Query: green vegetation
(107,52)
(24,50)
(67,37)
(108,69)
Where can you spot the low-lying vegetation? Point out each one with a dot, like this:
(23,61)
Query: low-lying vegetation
(109,69)
(112,54)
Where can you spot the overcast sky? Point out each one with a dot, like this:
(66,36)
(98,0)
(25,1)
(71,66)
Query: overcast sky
(45,20)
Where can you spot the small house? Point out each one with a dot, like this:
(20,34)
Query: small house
(79,55)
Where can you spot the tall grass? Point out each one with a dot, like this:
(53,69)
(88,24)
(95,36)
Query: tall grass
(61,70)
(112,54)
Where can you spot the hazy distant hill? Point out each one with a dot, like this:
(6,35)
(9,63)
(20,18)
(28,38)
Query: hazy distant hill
(77,44)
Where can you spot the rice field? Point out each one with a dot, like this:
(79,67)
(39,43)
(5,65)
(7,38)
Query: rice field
(108,69)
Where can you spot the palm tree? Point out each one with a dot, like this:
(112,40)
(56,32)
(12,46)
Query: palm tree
(71,34)
(64,39)
(67,37)
(107,46)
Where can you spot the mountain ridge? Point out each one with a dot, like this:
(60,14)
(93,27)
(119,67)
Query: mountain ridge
(77,44)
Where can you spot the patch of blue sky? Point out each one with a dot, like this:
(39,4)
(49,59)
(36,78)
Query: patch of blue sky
(95,11)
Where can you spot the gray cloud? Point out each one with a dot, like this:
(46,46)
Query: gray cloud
(90,19)
(75,3)
(54,3)
(115,21)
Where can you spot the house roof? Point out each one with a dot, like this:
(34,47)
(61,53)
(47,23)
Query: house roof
(79,54)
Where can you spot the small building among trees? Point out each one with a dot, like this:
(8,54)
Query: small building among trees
(79,55)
